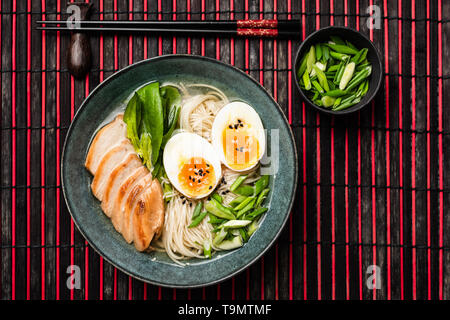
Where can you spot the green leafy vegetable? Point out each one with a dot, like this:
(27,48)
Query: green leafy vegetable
(172,100)
(151,117)
(132,117)
(145,146)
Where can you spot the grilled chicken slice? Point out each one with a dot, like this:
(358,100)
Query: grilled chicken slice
(106,166)
(118,208)
(148,215)
(115,180)
(109,136)
(130,202)
(129,196)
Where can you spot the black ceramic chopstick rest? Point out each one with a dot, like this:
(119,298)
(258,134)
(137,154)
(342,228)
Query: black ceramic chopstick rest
(79,51)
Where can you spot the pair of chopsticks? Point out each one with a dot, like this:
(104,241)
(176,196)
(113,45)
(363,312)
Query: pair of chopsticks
(239,28)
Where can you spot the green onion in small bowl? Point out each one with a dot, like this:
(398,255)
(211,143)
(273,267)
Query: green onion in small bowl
(337,70)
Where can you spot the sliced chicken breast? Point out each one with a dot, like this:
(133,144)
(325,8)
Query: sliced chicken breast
(118,207)
(129,196)
(106,166)
(133,197)
(148,215)
(109,136)
(115,180)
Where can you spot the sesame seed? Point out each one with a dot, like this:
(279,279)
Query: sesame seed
(236,126)
(184,201)
(210,187)
(230,126)
(239,120)
(207,171)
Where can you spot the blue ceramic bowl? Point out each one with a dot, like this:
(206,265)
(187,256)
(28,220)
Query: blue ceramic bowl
(109,98)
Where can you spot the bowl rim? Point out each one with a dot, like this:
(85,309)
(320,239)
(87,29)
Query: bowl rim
(359,105)
(245,265)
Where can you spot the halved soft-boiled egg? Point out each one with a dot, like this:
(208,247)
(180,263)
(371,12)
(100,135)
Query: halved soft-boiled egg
(192,165)
(238,136)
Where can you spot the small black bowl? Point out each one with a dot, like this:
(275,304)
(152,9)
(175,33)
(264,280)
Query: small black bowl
(358,40)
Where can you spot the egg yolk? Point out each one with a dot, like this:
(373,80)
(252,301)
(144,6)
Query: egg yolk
(196,176)
(240,146)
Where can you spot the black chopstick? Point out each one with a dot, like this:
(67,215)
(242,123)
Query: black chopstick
(262,33)
(285,25)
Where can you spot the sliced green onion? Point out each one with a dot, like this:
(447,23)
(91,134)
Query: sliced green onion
(195,222)
(247,208)
(219,210)
(244,234)
(197,210)
(253,227)
(215,220)
(234,243)
(302,68)
(237,201)
(311,59)
(256,213)
(261,197)
(342,48)
(207,248)
(322,78)
(337,102)
(238,182)
(243,204)
(306,80)
(217,197)
(244,190)
(317,86)
(328,101)
(234,224)
(261,184)
(318,49)
(326,53)
(220,236)
(347,75)
(339,56)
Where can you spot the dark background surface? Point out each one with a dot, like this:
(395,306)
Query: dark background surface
(374,188)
